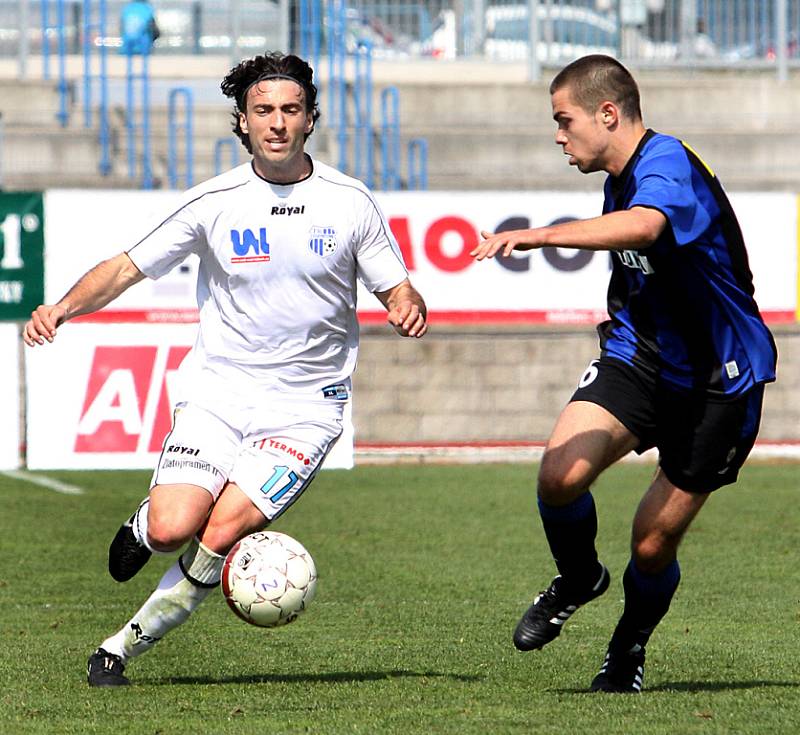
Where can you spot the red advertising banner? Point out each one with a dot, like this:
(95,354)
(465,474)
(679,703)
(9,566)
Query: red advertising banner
(103,398)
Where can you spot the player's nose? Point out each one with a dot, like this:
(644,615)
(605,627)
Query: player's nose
(278,121)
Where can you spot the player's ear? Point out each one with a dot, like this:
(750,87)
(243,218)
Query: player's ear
(243,122)
(309,123)
(609,113)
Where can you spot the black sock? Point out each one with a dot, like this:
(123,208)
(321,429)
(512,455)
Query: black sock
(571,531)
(647,600)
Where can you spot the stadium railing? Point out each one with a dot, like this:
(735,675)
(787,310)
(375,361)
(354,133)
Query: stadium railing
(137,117)
(96,29)
(390,139)
(174,126)
(731,34)
(233,152)
(417,164)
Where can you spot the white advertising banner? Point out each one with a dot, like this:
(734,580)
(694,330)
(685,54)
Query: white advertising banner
(101,396)
(88,227)
(436,231)
(10,345)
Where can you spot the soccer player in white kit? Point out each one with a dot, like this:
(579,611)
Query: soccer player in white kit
(281,241)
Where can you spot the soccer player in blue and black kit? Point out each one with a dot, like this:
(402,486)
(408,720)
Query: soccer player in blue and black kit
(684,358)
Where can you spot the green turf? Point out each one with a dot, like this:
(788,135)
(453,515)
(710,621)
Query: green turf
(423,574)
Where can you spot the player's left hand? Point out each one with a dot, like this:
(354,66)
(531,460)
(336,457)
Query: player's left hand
(407,319)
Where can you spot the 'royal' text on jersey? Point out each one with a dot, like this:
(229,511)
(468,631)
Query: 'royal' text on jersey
(289,211)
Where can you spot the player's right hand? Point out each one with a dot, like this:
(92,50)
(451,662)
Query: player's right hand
(503,243)
(42,324)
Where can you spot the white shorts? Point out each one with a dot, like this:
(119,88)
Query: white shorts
(271,453)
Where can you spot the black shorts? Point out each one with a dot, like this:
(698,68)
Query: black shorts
(702,441)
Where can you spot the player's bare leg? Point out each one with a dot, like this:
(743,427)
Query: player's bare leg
(585,441)
(234,516)
(165,520)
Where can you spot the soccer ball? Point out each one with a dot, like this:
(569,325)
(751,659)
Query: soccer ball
(268,579)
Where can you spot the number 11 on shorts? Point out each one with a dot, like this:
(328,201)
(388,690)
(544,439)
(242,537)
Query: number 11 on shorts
(278,474)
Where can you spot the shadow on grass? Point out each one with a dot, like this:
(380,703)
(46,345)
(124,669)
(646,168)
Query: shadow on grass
(718,686)
(333,677)
(698,686)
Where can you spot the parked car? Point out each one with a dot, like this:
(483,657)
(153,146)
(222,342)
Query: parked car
(565,33)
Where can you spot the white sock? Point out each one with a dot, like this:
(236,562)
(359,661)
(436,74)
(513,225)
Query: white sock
(139,523)
(139,527)
(173,601)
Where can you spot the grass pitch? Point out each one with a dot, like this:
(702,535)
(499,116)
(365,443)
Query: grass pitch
(424,572)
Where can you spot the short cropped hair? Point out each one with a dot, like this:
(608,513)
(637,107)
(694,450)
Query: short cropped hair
(269,66)
(596,78)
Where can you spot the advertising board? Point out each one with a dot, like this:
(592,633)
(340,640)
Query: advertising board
(102,397)
(435,232)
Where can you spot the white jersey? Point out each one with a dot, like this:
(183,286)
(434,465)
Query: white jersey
(276,287)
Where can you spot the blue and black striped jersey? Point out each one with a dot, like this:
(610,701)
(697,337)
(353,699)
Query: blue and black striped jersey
(683,308)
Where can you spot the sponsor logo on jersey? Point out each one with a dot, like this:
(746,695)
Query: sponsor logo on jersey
(249,249)
(322,240)
(288,211)
(336,392)
(632,259)
(281,446)
(190,464)
(182,450)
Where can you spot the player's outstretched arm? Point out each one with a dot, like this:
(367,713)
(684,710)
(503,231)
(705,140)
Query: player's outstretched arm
(93,291)
(631,229)
(407,312)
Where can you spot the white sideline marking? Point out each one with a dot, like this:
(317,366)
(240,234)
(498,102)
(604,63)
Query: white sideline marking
(48,482)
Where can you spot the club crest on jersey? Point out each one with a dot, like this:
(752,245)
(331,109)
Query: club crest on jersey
(322,240)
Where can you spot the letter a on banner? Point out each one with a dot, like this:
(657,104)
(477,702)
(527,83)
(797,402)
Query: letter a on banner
(111,419)
(163,419)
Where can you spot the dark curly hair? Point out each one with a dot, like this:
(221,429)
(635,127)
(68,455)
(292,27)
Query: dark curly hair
(239,80)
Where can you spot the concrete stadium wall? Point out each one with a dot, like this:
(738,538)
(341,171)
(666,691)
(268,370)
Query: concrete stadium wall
(505,385)
(743,123)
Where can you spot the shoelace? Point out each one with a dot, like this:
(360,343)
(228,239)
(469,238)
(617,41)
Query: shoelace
(545,604)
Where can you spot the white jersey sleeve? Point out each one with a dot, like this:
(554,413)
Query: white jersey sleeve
(170,242)
(378,260)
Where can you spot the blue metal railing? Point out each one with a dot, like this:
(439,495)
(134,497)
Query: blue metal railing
(310,12)
(174,126)
(90,22)
(418,164)
(63,87)
(104,132)
(390,139)
(219,146)
(142,76)
(59,30)
(363,167)
(46,28)
(337,86)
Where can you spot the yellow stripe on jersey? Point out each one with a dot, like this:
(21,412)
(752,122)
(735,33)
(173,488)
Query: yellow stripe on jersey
(707,167)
